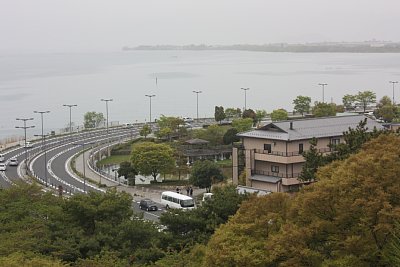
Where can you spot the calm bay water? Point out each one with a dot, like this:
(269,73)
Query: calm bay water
(47,81)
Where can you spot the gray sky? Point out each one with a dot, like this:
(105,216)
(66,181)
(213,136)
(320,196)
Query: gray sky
(69,25)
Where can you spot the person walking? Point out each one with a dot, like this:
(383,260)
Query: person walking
(187,190)
(191,191)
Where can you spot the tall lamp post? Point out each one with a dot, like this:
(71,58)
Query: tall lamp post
(83,161)
(26,149)
(245,97)
(150,96)
(41,116)
(323,91)
(197,102)
(393,83)
(70,113)
(107,100)
(45,156)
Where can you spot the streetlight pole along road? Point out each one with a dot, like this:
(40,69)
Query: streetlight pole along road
(70,113)
(41,115)
(393,83)
(83,159)
(150,96)
(45,156)
(323,91)
(107,100)
(245,97)
(197,101)
(26,149)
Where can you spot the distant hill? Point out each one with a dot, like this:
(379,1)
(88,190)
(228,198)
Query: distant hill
(356,47)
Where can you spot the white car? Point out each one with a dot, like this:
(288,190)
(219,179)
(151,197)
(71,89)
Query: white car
(3,166)
(13,162)
(28,145)
(187,119)
(1,157)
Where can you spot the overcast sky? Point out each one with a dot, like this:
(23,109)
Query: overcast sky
(70,25)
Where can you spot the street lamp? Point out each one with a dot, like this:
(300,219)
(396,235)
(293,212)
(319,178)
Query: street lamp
(41,115)
(150,96)
(197,101)
(83,161)
(45,156)
(245,97)
(323,91)
(26,149)
(107,100)
(70,122)
(393,82)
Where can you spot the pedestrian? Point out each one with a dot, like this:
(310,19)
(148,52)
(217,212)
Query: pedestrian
(191,191)
(177,190)
(187,190)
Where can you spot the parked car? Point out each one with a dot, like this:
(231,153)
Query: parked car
(13,162)
(3,166)
(148,204)
(1,157)
(188,119)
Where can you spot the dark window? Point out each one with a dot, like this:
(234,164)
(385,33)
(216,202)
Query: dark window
(267,147)
(301,148)
(335,141)
(274,168)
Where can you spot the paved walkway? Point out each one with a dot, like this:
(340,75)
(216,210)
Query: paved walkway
(138,192)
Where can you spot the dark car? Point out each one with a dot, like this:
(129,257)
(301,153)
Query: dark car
(148,204)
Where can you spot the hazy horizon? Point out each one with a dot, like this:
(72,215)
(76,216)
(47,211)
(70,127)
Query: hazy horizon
(99,25)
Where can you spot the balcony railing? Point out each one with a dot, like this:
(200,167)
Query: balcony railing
(276,174)
(289,154)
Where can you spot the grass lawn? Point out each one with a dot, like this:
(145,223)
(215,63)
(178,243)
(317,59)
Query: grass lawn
(117,159)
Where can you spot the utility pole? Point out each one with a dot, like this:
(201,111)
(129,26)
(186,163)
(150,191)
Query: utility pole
(393,83)
(197,101)
(26,149)
(323,91)
(150,96)
(70,122)
(41,115)
(245,97)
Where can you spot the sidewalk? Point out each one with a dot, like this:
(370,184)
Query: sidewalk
(138,192)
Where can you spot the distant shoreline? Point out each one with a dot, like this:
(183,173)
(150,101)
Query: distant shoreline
(362,47)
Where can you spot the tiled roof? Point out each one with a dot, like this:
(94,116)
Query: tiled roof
(309,128)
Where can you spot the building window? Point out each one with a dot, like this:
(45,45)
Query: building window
(267,147)
(274,168)
(335,141)
(301,148)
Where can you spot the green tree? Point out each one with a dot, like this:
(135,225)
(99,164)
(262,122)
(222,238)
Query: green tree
(386,110)
(345,219)
(92,119)
(219,113)
(170,122)
(242,125)
(145,131)
(152,159)
(260,114)
(313,160)
(214,134)
(322,109)
(302,104)
(230,136)
(279,115)
(366,98)
(204,173)
(349,102)
(249,113)
(128,171)
(165,132)
(233,113)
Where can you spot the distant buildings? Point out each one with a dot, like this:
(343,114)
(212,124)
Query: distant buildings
(273,153)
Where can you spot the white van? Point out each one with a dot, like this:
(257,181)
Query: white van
(1,157)
(3,166)
(178,201)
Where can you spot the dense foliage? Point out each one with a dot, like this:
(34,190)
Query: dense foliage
(345,219)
